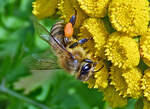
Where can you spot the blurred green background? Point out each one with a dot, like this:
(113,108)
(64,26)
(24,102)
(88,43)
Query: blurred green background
(21,88)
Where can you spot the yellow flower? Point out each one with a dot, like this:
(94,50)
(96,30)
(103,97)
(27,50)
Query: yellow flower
(118,81)
(101,77)
(113,97)
(94,28)
(129,16)
(145,48)
(122,50)
(146,84)
(127,82)
(67,8)
(94,8)
(146,104)
(44,8)
(132,78)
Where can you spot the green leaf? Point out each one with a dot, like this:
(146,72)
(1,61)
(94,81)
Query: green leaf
(139,104)
(142,66)
(108,25)
(68,93)
(13,22)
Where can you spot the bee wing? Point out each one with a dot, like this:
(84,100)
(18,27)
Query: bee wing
(41,30)
(60,49)
(43,61)
(46,36)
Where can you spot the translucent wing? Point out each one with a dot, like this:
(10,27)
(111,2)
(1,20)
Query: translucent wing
(41,61)
(41,30)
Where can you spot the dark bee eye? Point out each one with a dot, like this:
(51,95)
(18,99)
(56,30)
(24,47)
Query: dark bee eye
(85,68)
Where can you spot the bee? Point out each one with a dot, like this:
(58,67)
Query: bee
(64,32)
(71,57)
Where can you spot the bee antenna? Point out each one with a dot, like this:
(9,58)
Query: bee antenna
(99,69)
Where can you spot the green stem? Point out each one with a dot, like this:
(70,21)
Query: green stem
(19,96)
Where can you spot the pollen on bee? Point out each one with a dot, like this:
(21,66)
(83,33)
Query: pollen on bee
(68,30)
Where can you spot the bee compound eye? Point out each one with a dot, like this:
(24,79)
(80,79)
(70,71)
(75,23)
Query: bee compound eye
(85,68)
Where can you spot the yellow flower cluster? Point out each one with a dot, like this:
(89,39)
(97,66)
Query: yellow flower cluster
(129,16)
(127,85)
(122,50)
(44,8)
(119,39)
(88,30)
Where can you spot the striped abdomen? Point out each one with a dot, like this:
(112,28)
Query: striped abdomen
(57,31)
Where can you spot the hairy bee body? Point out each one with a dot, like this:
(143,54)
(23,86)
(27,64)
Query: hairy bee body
(72,57)
(69,64)
(59,44)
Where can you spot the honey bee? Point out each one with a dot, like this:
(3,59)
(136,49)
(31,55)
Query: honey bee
(71,57)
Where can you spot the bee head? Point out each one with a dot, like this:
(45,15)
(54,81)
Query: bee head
(86,70)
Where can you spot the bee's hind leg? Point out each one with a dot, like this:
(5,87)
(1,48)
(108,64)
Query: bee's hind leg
(82,41)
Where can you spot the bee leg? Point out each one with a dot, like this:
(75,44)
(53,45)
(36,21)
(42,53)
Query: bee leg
(73,18)
(82,41)
(73,45)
